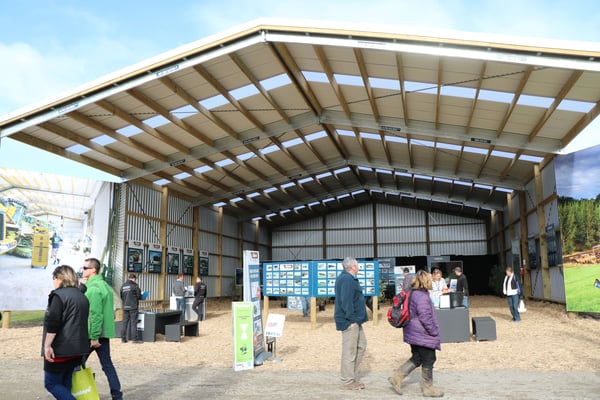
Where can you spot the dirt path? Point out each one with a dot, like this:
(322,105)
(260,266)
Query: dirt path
(549,355)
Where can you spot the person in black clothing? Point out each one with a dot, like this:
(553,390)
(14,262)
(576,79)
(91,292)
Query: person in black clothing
(130,296)
(65,335)
(200,293)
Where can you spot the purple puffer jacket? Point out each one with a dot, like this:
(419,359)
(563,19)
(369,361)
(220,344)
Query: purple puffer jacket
(422,329)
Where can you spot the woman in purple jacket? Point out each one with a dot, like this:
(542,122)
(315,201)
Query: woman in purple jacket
(423,335)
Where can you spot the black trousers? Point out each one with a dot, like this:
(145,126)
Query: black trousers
(197,307)
(129,327)
(422,356)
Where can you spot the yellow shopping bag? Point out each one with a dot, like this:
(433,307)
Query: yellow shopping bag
(83,385)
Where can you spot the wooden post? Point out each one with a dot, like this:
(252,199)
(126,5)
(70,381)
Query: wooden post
(375,310)
(5,319)
(313,313)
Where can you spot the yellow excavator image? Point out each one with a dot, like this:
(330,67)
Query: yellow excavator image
(11,212)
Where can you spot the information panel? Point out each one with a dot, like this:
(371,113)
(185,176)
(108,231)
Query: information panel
(315,278)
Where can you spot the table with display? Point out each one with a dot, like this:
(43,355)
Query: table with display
(454,324)
(156,321)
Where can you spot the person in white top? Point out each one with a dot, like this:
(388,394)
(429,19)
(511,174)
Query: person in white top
(512,290)
(438,285)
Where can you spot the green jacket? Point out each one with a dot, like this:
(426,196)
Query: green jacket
(101,319)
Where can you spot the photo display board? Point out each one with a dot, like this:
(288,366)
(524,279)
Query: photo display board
(315,278)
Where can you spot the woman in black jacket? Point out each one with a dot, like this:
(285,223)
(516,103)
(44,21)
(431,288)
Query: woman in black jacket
(65,337)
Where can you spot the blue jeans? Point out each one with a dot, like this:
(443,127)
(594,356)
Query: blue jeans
(180,301)
(103,353)
(59,384)
(513,304)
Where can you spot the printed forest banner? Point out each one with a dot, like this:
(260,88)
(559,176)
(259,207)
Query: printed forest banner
(578,188)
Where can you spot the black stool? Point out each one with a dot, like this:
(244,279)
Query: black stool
(484,328)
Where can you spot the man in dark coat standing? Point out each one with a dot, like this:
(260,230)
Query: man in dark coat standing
(130,296)
(200,294)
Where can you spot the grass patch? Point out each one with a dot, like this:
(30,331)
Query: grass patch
(580,292)
(26,318)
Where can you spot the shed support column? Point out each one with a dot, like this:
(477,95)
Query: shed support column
(541,217)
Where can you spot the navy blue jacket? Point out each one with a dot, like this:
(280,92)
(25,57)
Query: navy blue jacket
(349,302)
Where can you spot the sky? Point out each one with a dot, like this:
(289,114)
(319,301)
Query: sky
(48,47)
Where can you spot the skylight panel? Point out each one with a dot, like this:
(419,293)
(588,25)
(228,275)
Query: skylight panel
(361,191)
(103,140)
(315,136)
(246,156)
(257,218)
(383,171)
(371,136)
(341,196)
(314,203)
(475,150)
(299,207)
(383,83)
(362,168)
(184,112)
(458,91)
(424,177)
(420,87)
(269,149)
(129,130)
(438,179)
(527,157)
(303,181)
(503,154)
(323,175)
(213,102)
(275,82)
(271,215)
(463,183)
(482,186)
(341,170)
(78,149)
(253,194)
(224,162)
(287,185)
(236,199)
(344,132)
(396,139)
(576,106)
(156,121)
(219,204)
(535,101)
(203,169)
(421,142)
(182,175)
(244,91)
(162,182)
(503,189)
(269,190)
(285,211)
(352,80)
(402,173)
(328,200)
(312,76)
(448,146)
(492,95)
(292,142)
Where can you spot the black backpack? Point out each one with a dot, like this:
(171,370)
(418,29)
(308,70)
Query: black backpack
(398,314)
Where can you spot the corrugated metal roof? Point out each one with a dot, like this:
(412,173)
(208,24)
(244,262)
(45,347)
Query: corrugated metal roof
(289,121)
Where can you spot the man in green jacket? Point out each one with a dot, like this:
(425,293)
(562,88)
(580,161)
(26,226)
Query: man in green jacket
(101,322)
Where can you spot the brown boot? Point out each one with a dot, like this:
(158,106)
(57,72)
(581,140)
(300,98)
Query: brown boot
(427,384)
(399,375)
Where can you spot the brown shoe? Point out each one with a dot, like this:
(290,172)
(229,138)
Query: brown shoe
(354,385)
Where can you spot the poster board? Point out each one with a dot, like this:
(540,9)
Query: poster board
(135,256)
(188,262)
(243,349)
(173,256)
(155,258)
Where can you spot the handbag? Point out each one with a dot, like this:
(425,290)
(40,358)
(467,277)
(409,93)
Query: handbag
(83,385)
(522,308)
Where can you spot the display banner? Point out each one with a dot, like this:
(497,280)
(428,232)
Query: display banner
(135,256)
(203,263)
(243,351)
(154,258)
(275,325)
(173,260)
(252,293)
(188,262)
